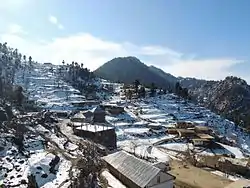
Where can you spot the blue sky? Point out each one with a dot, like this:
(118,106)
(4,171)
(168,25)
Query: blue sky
(195,38)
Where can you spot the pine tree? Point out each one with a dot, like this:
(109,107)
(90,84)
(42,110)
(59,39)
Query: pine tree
(142,92)
(136,84)
(152,89)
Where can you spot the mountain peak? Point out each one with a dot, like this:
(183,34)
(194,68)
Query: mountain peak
(128,69)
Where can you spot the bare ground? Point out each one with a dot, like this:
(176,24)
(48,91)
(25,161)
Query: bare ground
(188,176)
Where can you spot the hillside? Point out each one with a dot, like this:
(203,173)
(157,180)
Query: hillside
(128,69)
(40,149)
(229,97)
(168,77)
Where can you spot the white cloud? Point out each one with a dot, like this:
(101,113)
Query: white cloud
(60,26)
(206,69)
(54,20)
(15,29)
(93,52)
(12,4)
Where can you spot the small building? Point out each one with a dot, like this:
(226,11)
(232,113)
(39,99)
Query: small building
(202,129)
(172,131)
(113,109)
(184,124)
(205,136)
(186,132)
(200,142)
(241,183)
(48,64)
(182,132)
(60,113)
(99,114)
(136,173)
(88,116)
(99,133)
(96,115)
(79,117)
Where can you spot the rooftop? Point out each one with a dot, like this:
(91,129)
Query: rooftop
(79,116)
(137,170)
(205,136)
(201,127)
(94,128)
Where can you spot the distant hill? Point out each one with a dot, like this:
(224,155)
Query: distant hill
(229,97)
(128,69)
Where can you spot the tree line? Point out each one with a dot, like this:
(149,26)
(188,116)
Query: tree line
(139,90)
(11,60)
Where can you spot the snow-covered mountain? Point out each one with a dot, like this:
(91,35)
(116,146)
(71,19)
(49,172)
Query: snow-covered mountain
(40,149)
(229,97)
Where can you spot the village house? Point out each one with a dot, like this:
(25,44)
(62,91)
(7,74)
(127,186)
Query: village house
(136,173)
(79,117)
(113,109)
(200,142)
(184,124)
(101,133)
(96,115)
(188,133)
(61,113)
(91,124)
(202,129)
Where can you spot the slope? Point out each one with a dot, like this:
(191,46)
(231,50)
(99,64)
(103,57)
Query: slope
(168,77)
(229,97)
(128,69)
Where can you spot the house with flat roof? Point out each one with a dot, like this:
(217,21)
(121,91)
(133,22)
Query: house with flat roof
(136,173)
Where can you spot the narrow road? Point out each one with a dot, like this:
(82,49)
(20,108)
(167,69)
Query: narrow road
(67,131)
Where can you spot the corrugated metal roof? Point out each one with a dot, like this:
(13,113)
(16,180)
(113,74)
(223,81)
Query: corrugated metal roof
(138,171)
(205,136)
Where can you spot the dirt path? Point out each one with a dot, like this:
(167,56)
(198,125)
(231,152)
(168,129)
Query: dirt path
(192,177)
